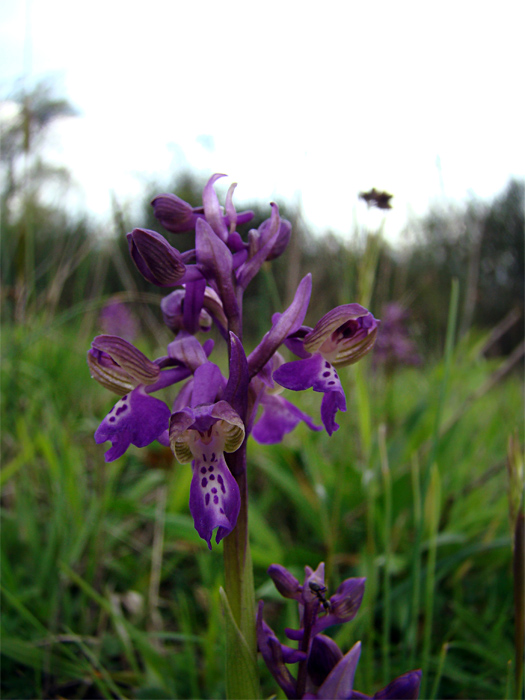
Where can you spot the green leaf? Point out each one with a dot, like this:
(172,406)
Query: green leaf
(241,667)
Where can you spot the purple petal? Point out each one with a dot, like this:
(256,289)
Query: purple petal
(252,266)
(340,681)
(212,209)
(324,655)
(332,402)
(288,323)
(208,382)
(406,687)
(136,419)
(319,374)
(187,350)
(278,418)
(193,302)
(272,653)
(236,391)
(214,496)
(215,259)
(314,372)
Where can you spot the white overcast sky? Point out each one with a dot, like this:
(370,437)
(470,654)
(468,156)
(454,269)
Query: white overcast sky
(301,101)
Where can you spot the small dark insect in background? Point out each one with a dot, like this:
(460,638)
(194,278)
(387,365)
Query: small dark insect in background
(374,198)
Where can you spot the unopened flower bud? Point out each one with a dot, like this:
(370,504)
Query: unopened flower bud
(155,258)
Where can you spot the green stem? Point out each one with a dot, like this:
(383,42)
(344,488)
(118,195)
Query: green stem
(238,572)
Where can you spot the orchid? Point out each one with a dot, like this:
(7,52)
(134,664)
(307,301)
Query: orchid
(324,672)
(209,417)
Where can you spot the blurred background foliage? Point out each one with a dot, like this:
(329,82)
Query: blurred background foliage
(107,589)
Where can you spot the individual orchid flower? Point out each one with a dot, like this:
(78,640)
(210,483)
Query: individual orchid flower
(343,336)
(201,435)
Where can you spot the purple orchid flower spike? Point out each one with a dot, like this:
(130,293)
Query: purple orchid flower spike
(324,672)
(343,336)
(201,435)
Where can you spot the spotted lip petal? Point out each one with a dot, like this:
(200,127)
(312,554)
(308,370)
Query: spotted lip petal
(201,435)
(317,373)
(215,499)
(136,419)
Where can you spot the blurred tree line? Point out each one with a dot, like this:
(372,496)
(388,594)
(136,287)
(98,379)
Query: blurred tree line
(53,262)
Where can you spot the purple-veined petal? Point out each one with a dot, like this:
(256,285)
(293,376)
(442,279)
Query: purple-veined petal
(288,323)
(136,419)
(128,357)
(279,417)
(176,215)
(155,258)
(109,373)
